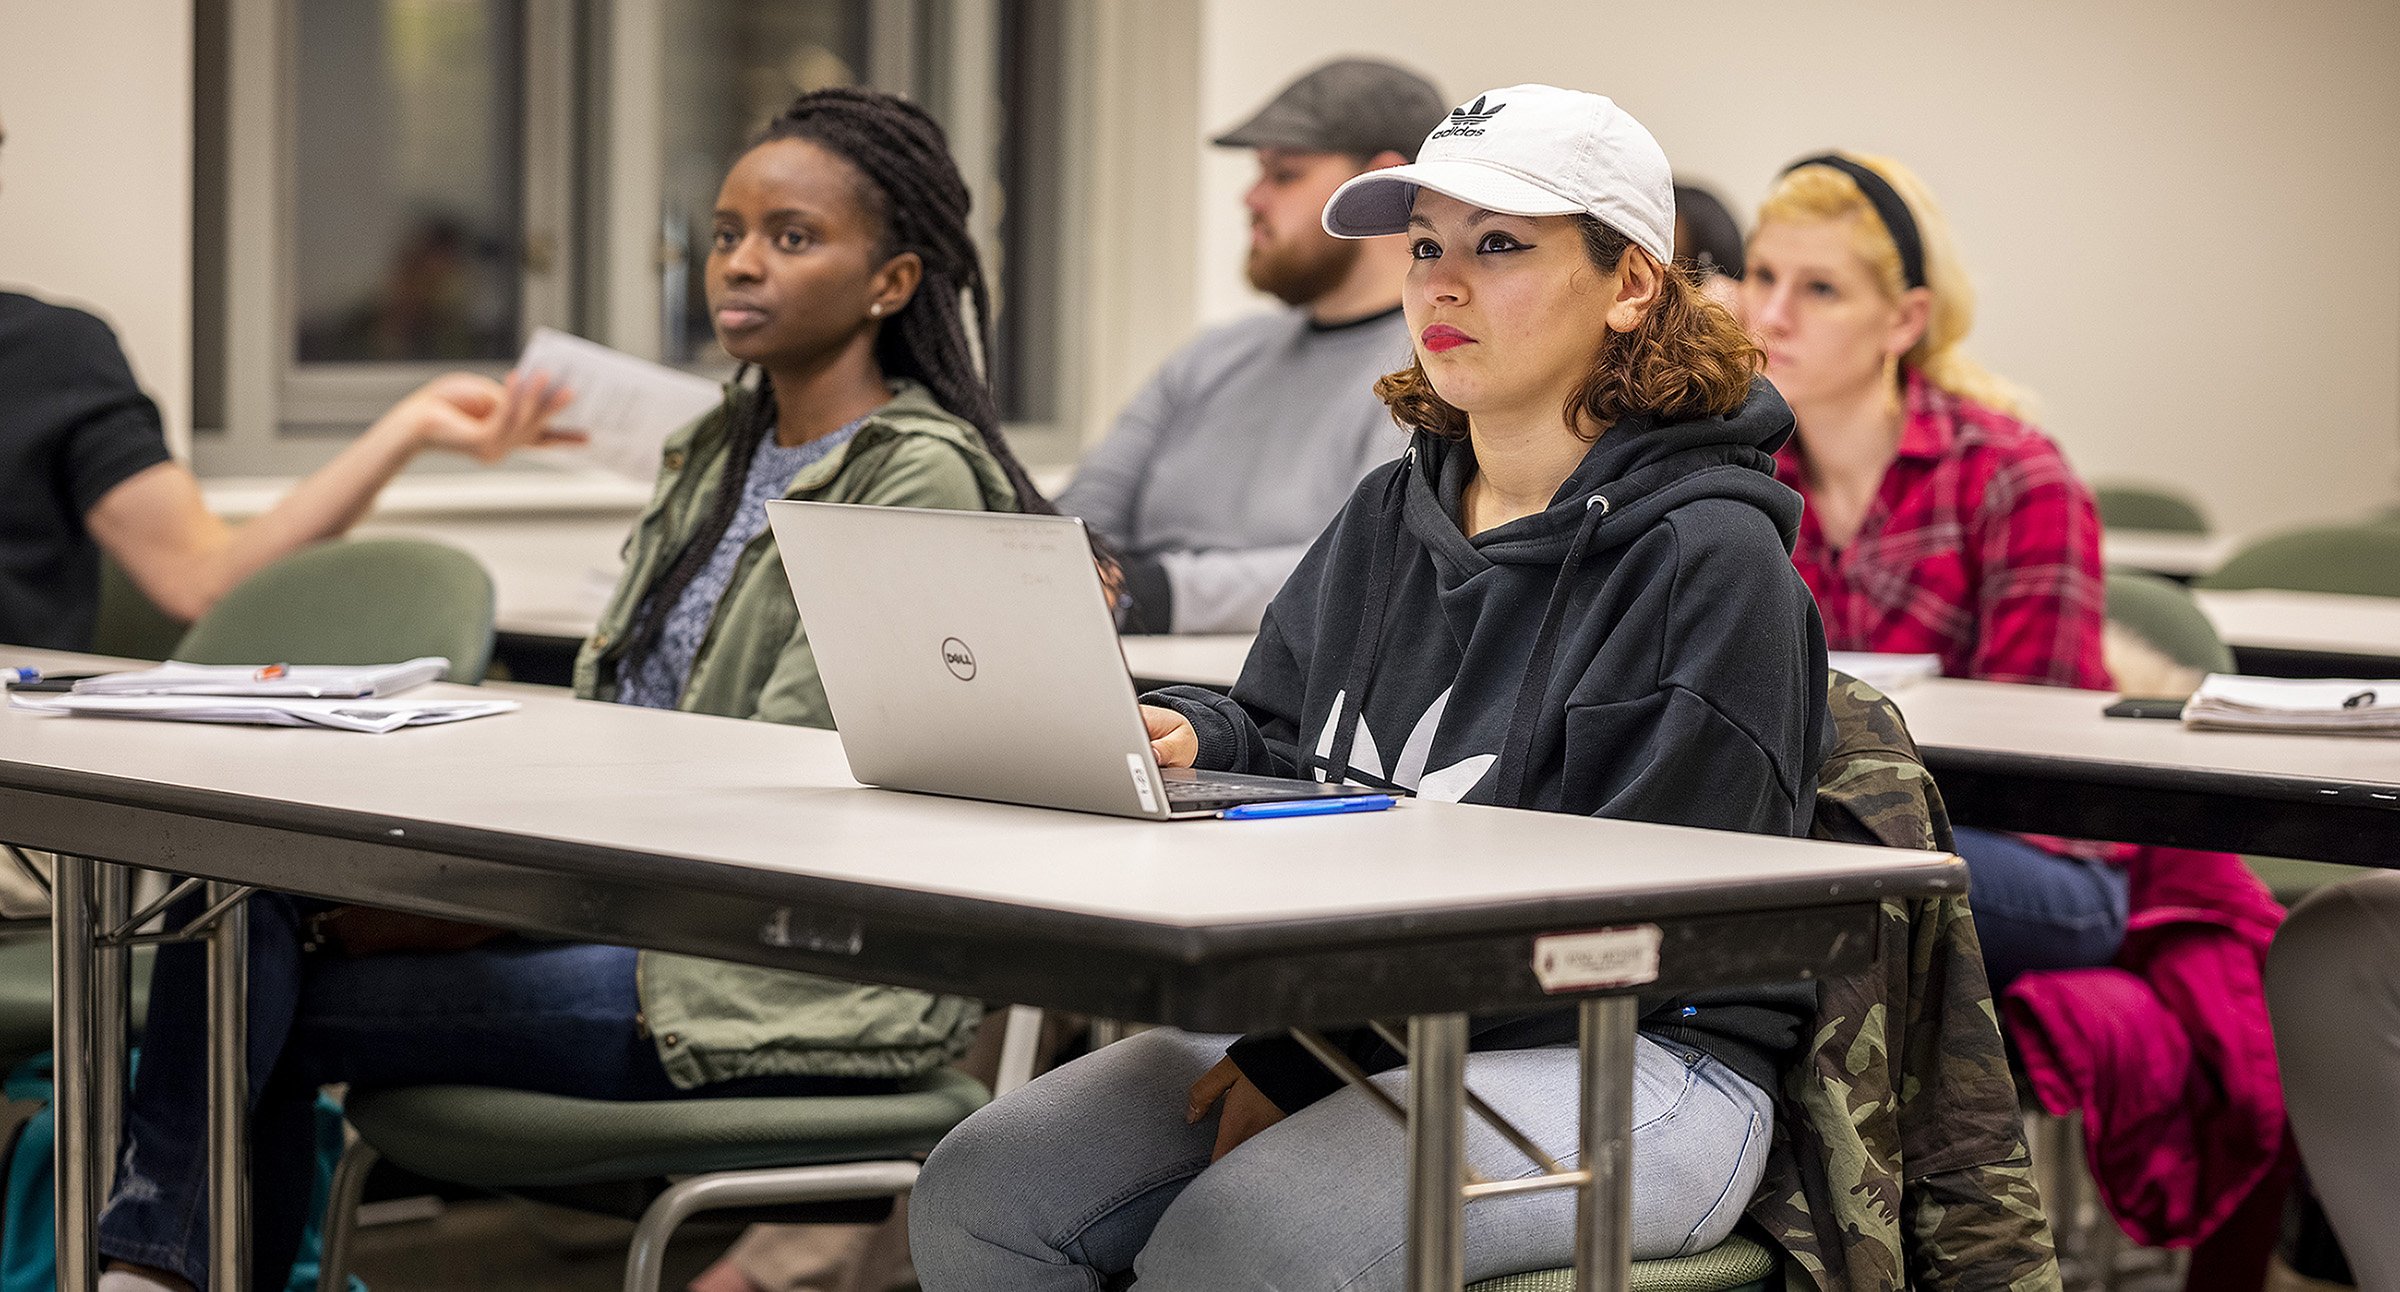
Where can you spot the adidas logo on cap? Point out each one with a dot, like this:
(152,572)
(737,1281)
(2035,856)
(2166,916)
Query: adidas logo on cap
(1467,119)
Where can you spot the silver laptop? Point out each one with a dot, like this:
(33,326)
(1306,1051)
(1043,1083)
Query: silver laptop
(972,653)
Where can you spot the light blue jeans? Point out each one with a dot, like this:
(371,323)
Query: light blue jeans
(1090,1171)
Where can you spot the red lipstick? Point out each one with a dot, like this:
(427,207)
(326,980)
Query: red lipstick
(1442,336)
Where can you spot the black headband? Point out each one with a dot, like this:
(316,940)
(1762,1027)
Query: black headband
(1886,200)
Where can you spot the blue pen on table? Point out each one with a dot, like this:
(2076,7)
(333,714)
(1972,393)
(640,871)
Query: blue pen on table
(15,676)
(1307,807)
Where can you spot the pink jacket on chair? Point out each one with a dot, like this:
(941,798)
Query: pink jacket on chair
(2168,1053)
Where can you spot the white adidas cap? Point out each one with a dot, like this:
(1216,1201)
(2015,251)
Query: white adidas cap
(1527,150)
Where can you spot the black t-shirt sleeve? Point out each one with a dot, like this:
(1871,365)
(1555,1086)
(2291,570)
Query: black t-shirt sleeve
(111,429)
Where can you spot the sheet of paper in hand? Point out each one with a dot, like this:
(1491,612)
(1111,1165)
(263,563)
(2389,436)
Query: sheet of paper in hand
(628,406)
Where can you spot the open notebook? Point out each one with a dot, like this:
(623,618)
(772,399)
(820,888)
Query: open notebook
(2352,706)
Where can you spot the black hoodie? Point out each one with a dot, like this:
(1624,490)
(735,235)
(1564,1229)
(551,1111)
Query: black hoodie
(1642,649)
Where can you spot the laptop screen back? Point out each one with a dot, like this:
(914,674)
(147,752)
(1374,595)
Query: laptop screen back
(969,653)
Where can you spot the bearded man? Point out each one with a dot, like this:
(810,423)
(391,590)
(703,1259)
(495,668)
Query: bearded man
(1219,474)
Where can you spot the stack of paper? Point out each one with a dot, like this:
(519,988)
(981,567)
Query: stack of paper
(2350,706)
(1884,672)
(626,406)
(373,716)
(295,681)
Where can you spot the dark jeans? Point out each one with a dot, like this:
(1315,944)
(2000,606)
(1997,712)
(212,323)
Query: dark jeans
(559,1018)
(2037,910)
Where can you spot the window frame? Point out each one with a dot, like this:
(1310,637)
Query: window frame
(592,182)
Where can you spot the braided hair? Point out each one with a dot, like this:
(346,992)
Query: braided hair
(914,192)
(914,195)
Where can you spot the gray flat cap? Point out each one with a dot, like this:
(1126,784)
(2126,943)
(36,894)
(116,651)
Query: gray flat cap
(1355,105)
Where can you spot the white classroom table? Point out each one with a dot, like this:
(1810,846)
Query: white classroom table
(2171,553)
(750,841)
(2045,759)
(1196,660)
(2307,633)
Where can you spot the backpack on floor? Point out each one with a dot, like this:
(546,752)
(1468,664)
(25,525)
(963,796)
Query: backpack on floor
(28,1229)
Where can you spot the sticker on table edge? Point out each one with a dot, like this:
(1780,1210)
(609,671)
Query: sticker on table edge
(1626,956)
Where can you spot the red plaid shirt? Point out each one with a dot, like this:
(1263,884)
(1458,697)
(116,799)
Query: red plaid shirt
(1981,547)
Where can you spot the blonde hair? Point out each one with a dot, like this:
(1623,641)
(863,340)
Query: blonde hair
(1814,193)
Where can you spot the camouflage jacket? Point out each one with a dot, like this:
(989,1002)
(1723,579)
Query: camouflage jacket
(1899,1159)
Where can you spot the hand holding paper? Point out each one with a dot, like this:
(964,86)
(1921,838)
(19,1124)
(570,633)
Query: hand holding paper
(626,407)
(485,419)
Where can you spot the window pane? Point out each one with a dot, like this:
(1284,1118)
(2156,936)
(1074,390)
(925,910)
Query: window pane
(731,65)
(409,179)
(1032,193)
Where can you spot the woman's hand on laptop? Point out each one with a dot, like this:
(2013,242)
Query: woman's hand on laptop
(1172,740)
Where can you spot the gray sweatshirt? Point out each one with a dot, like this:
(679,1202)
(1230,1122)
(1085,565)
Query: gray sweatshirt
(1238,453)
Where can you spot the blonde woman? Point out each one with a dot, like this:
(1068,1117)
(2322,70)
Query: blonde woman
(1937,519)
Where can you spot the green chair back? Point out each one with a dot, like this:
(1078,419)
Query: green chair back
(504,1139)
(129,623)
(372,601)
(2363,560)
(2149,507)
(2161,613)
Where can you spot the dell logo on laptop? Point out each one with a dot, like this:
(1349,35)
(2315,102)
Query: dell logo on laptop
(958,659)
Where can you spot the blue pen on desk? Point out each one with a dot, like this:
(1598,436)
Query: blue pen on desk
(1307,807)
(16,676)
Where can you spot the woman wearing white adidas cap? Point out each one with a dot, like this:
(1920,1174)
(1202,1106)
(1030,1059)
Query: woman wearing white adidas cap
(1573,594)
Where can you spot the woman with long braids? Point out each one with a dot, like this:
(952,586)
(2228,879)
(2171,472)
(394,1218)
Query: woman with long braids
(842,272)
(837,269)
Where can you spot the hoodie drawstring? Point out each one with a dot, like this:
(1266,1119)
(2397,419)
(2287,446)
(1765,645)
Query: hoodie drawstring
(1391,538)
(1368,644)
(1533,690)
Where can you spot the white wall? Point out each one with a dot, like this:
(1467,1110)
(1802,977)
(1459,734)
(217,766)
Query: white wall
(96,176)
(2184,218)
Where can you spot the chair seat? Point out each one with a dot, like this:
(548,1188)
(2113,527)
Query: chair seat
(500,1139)
(25,996)
(1734,1264)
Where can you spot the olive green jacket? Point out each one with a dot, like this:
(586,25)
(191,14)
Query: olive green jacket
(715,1021)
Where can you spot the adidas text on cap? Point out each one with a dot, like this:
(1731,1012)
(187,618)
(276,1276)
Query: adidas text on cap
(1526,150)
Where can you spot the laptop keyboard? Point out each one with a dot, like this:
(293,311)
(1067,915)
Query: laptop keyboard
(1203,793)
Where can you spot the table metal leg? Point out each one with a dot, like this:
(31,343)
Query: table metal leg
(112,999)
(1437,1150)
(72,882)
(229,1092)
(1604,1202)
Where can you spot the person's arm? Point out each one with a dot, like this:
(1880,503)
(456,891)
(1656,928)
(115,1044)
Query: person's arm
(1225,590)
(1107,489)
(1108,482)
(184,558)
(2040,600)
(1256,729)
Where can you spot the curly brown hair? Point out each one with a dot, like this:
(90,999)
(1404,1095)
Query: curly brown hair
(1686,359)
